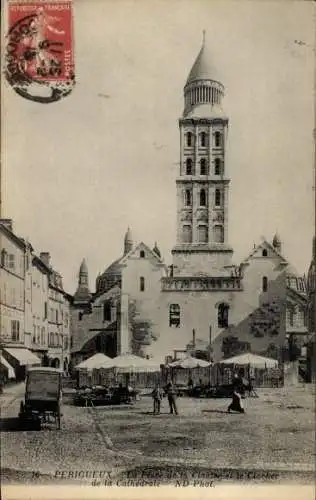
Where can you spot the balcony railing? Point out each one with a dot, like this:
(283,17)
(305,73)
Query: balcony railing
(223,283)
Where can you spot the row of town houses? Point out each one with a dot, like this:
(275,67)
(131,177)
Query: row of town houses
(34,308)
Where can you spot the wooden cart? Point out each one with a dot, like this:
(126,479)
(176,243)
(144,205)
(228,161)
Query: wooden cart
(42,402)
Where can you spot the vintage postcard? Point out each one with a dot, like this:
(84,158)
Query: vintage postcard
(157,246)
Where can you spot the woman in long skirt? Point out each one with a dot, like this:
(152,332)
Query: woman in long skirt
(236,404)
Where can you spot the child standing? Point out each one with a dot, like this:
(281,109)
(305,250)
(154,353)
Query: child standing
(157,397)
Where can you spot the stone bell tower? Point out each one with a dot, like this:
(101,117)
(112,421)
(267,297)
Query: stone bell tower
(202,184)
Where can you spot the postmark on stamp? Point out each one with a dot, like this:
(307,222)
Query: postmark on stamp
(39,55)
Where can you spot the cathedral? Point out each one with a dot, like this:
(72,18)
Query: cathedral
(202,304)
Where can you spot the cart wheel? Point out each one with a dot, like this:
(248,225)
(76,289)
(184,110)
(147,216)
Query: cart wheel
(22,408)
(58,418)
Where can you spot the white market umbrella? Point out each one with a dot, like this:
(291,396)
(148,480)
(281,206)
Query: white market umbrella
(130,362)
(251,359)
(190,362)
(98,360)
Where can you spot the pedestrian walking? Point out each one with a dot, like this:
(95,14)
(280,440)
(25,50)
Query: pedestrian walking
(157,397)
(236,404)
(171,394)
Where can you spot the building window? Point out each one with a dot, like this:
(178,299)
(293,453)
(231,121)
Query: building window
(187,234)
(264,252)
(188,163)
(11,261)
(218,200)
(45,310)
(264,284)
(174,315)
(56,339)
(291,315)
(202,198)
(66,343)
(203,139)
(80,316)
(107,311)
(15,330)
(203,166)
(202,234)
(218,139)
(3,258)
(43,336)
(217,166)
(218,234)
(188,198)
(222,315)
(189,139)
(142,284)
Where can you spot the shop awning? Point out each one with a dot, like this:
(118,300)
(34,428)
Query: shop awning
(23,356)
(11,372)
(251,359)
(98,360)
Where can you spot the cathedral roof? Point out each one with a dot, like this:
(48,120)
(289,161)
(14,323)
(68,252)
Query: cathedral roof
(202,68)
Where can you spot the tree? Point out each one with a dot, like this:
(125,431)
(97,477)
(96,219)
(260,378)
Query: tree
(140,328)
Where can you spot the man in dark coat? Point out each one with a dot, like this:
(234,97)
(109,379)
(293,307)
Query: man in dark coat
(171,394)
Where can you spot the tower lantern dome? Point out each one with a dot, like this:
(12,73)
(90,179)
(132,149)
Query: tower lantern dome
(203,86)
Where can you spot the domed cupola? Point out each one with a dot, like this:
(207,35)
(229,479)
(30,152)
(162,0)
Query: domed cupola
(128,241)
(203,87)
(156,250)
(277,243)
(82,294)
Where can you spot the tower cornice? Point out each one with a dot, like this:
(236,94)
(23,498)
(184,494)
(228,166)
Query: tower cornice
(200,180)
(202,121)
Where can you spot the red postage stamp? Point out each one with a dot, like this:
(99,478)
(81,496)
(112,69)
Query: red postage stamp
(39,58)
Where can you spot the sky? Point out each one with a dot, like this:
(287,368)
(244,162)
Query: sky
(78,172)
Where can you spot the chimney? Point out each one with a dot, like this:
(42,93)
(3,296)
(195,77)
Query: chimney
(193,338)
(7,223)
(45,257)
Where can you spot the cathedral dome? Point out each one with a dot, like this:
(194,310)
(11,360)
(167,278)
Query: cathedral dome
(202,68)
(203,91)
(109,277)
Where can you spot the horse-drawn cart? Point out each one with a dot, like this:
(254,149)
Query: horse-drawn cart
(42,403)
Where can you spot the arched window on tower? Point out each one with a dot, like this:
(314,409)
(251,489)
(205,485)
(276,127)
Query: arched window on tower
(142,284)
(188,164)
(264,252)
(218,198)
(202,198)
(187,233)
(203,139)
(189,139)
(218,139)
(203,166)
(222,315)
(264,284)
(218,234)
(188,198)
(174,315)
(202,234)
(217,166)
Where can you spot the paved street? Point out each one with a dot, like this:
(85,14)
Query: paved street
(276,433)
